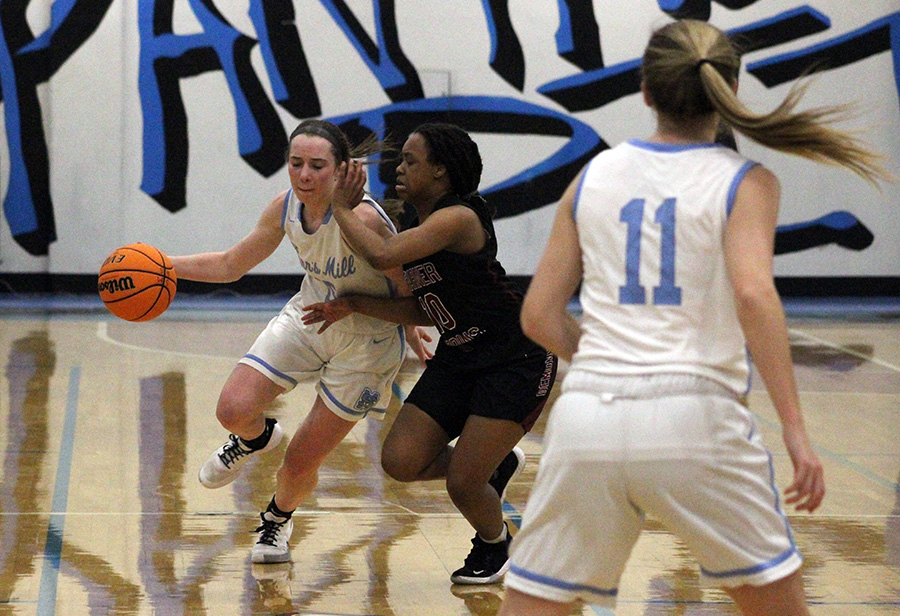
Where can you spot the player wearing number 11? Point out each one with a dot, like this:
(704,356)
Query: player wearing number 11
(671,239)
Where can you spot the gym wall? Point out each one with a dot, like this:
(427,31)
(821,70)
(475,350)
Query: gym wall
(165,122)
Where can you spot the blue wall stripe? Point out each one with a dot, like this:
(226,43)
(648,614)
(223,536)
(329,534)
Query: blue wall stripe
(53,546)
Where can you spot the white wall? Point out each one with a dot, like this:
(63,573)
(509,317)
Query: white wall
(98,152)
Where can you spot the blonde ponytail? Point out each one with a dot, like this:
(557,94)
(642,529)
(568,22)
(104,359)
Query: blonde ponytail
(690,69)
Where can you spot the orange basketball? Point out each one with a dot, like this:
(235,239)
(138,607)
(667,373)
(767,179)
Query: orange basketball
(137,282)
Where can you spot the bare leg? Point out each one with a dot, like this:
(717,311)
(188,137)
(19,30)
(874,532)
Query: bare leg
(316,437)
(481,447)
(245,397)
(519,604)
(415,448)
(784,597)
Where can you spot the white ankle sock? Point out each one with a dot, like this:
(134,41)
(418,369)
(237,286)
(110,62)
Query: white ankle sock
(502,537)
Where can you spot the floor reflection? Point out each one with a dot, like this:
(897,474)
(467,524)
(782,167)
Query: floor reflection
(274,587)
(30,364)
(479,600)
(142,537)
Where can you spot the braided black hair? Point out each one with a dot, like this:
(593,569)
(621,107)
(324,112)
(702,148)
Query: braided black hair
(452,147)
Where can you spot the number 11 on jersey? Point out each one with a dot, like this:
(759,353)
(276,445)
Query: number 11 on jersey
(633,292)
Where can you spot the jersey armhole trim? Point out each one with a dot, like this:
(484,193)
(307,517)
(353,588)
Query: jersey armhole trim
(578,191)
(738,178)
(377,207)
(284,208)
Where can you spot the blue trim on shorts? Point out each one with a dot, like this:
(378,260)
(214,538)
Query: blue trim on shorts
(401,396)
(757,568)
(347,410)
(549,581)
(277,373)
(787,527)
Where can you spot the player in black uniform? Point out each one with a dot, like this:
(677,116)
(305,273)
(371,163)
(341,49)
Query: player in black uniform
(487,382)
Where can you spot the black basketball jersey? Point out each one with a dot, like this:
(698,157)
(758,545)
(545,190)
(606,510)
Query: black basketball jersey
(469,298)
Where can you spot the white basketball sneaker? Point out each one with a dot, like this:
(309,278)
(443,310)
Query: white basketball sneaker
(224,464)
(274,535)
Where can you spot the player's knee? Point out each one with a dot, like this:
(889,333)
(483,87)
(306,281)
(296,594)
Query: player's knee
(396,467)
(461,488)
(233,413)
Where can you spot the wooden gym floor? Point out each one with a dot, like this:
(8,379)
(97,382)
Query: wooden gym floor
(103,425)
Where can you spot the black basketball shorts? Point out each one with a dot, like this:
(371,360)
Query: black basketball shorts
(516,390)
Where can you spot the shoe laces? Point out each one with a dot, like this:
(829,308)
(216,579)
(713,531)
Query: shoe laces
(233,451)
(269,530)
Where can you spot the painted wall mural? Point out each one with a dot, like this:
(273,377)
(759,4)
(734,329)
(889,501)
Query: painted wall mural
(165,121)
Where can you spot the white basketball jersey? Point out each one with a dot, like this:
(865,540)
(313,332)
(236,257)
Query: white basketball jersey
(334,269)
(656,296)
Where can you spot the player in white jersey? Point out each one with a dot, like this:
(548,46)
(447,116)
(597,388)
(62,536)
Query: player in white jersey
(286,352)
(671,240)
(649,321)
(355,362)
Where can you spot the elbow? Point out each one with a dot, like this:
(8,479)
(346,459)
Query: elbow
(229,276)
(754,297)
(230,271)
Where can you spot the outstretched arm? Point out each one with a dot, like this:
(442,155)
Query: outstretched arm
(229,265)
(403,310)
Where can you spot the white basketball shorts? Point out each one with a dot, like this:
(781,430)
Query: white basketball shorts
(694,461)
(355,371)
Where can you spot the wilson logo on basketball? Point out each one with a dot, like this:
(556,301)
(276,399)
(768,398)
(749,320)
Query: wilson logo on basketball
(125,283)
(137,282)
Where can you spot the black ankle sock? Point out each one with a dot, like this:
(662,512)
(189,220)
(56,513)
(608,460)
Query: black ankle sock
(263,439)
(274,510)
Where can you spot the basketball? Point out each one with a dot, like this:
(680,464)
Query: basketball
(137,282)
